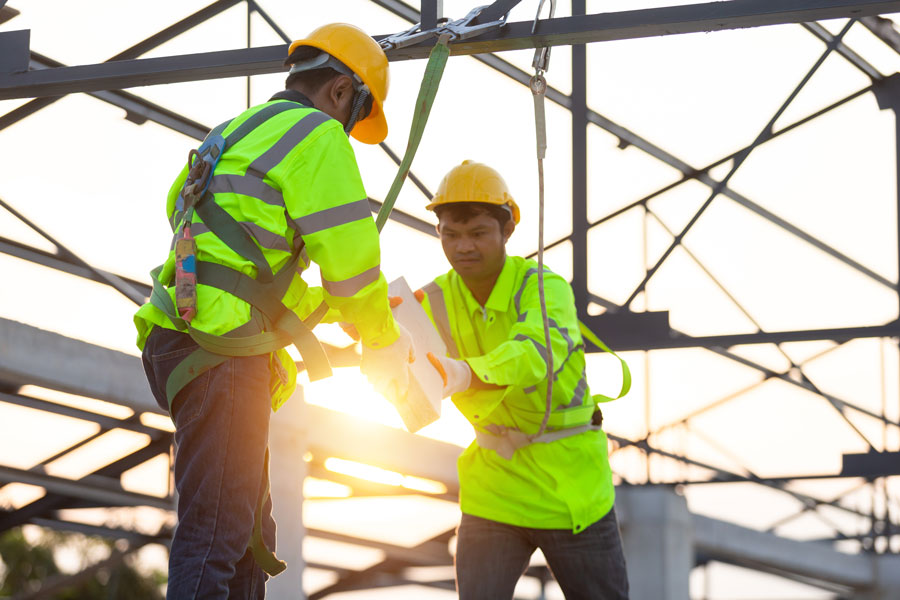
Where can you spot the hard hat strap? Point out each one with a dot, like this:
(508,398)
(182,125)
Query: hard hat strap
(359,101)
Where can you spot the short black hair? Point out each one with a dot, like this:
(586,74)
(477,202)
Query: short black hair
(313,79)
(464,211)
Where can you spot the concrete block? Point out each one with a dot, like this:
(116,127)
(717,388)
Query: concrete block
(422,404)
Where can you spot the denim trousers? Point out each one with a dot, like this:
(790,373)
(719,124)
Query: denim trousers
(221,434)
(491,556)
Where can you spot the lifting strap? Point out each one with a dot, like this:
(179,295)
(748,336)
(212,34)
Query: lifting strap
(506,440)
(434,70)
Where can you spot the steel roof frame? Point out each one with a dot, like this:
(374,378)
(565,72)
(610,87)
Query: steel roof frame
(49,78)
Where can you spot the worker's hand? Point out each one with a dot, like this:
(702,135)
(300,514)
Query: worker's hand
(456,374)
(388,368)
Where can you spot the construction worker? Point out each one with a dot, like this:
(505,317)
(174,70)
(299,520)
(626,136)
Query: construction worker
(286,190)
(518,492)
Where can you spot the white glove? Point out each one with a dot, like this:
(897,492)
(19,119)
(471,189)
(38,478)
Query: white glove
(388,368)
(456,374)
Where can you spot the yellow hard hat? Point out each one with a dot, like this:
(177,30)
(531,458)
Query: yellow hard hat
(474,182)
(362,54)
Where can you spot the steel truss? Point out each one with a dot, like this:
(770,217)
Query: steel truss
(47,80)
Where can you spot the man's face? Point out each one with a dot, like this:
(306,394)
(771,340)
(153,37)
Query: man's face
(475,248)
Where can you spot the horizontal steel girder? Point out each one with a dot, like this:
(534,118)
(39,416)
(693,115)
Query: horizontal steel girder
(642,331)
(714,16)
(96,488)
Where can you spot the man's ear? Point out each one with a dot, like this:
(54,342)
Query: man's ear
(341,88)
(508,229)
(438,228)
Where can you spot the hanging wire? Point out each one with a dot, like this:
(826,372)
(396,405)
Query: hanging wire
(538,87)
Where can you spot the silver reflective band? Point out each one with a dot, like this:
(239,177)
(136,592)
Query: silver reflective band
(280,149)
(263,237)
(540,347)
(348,287)
(246,185)
(563,331)
(533,388)
(528,274)
(579,394)
(439,315)
(334,216)
(509,440)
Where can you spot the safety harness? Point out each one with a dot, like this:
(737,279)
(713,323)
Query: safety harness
(272,325)
(580,415)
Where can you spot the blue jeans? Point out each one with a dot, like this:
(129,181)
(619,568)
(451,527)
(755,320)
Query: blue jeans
(221,433)
(491,556)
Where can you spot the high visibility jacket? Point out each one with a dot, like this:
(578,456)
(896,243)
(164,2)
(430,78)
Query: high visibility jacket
(292,178)
(564,484)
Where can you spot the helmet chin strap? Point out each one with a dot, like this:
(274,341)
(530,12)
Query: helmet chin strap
(361,94)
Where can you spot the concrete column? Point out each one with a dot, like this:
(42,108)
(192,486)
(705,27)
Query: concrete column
(287,444)
(657,536)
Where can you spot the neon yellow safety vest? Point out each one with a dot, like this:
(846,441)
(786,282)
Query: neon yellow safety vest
(563,484)
(288,178)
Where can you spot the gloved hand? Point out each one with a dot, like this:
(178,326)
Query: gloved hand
(387,368)
(456,374)
(350,328)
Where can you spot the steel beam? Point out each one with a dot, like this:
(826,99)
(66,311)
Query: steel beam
(627,338)
(6,12)
(884,30)
(713,16)
(63,263)
(732,544)
(104,490)
(80,368)
(113,533)
(106,423)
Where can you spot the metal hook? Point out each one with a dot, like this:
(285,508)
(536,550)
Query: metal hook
(541,61)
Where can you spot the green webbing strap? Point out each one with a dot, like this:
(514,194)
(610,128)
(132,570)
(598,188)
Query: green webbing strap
(192,366)
(437,60)
(227,229)
(264,557)
(626,373)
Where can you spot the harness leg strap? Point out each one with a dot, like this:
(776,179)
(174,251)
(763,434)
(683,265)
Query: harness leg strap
(264,557)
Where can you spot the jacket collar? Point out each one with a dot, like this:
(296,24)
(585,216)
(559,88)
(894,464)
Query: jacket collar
(293,96)
(501,294)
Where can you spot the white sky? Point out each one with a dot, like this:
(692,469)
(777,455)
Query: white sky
(97,182)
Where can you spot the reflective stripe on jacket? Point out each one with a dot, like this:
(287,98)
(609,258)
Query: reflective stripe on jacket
(565,484)
(293,177)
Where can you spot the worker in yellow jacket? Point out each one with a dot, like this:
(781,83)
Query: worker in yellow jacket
(518,490)
(267,192)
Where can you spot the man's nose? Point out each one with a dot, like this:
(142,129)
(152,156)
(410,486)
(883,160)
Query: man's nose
(465,245)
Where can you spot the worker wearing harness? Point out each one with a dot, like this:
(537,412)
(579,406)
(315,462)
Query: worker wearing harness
(266,193)
(519,489)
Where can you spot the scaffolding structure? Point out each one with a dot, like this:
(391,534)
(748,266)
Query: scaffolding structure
(71,366)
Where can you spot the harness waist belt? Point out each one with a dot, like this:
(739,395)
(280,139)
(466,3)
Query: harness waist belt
(509,440)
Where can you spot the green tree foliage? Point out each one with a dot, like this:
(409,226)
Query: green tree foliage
(25,566)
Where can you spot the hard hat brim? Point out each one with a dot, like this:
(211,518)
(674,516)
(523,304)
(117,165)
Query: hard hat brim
(373,129)
(511,205)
